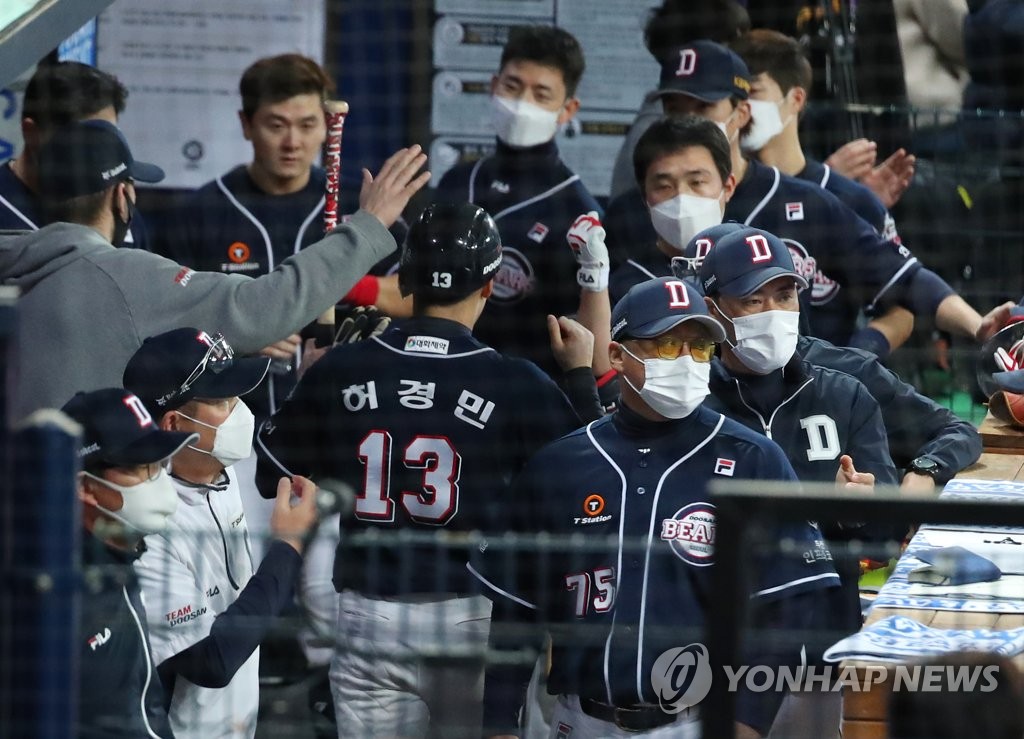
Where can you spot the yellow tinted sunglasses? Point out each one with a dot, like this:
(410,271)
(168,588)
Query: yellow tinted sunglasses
(669,347)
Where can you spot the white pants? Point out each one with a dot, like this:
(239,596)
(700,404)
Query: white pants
(539,702)
(570,722)
(409,669)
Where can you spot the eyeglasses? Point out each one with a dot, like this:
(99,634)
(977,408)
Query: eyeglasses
(217,358)
(669,347)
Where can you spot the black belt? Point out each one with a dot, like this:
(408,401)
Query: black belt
(629,718)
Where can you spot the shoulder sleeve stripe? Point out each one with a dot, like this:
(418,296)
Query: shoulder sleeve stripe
(472,179)
(10,206)
(270,456)
(537,198)
(318,208)
(825,177)
(765,200)
(498,590)
(892,281)
(641,268)
(825,576)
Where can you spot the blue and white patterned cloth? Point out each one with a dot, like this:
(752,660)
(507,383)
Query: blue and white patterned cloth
(898,638)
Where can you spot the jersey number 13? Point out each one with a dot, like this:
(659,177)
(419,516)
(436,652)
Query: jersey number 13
(438,499)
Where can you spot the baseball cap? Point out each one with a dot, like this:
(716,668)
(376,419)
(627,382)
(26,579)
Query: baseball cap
(704,70)
(656,306)
(688,265)
(172,368)
(87,157)
(743,261)
(118,430)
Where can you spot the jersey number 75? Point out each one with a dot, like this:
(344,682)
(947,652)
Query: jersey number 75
(436,503)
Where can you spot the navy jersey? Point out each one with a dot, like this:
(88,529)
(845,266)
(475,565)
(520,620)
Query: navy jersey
(534,198)
(634,493)
(648,265)
(429,426)
(854,195)
(230,225)
(848,263)
(915,425)
(20,210)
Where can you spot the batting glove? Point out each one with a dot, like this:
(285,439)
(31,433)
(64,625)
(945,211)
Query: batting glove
(586,238)
(364,322)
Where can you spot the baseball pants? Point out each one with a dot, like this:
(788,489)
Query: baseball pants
(407,668)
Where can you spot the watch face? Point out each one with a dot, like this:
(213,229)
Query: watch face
(925,465)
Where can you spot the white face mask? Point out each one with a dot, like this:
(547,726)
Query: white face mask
(522,124)
(233,439)
(680,219)
(766,124)
(145,507)
(765,341)
(673,387)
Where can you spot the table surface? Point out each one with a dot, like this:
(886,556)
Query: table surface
(864,712)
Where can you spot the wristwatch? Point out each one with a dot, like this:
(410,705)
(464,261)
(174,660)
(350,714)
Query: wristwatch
(924,466)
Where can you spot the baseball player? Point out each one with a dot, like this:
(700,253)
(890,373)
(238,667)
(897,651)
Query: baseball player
(252,218)
(429,425)
(927,442)
(846,261)
(533,196)
(208,610)
(57,95)
(639,474)
(125,495)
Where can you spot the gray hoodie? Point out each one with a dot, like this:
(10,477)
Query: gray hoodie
(86,306)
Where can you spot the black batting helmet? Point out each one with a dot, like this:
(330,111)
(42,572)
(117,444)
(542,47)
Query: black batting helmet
(451,250)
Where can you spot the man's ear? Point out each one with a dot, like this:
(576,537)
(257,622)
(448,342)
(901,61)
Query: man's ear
(798,100)
(84,489)
(729,187)
(572,106)
(616,356)
(246,125)
(742,114)
(31,136)
(169,421)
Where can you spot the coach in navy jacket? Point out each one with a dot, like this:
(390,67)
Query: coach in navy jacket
(638,478)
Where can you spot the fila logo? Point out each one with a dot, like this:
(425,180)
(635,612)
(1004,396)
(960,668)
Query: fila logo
(794,211)
(564,731)
(538,232)
(759,246)
(98,640)
(678,297)
(215,590)
(725,466)
(687,62)
(138,410)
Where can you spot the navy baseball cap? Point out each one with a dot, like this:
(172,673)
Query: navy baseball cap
(87,157)
(653,307)
(117,430)
(743,261)
(688,265)
(172,368)
(704,70)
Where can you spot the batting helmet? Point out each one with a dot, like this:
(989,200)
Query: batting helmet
(1003,352)
(451,250)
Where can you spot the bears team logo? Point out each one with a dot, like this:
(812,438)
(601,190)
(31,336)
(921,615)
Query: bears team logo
(823,287)
(691,533)
(239,252)
(514,279)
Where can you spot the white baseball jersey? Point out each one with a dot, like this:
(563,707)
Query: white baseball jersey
(189,575)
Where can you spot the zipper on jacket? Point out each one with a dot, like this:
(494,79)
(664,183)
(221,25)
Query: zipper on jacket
(768,425)
(149,663)
(224,542)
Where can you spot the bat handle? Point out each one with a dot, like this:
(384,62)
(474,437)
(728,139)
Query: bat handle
(335,112)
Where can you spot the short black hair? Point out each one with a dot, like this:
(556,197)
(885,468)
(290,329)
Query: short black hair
(678,22)
(277,78)
(550,46)
(668,135)
(83,209)
(777,55)
(65,92)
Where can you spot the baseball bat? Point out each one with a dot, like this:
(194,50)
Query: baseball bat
(335,111)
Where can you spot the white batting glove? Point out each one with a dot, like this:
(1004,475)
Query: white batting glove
(586,238)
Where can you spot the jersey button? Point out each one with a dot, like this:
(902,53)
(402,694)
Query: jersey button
(641,490)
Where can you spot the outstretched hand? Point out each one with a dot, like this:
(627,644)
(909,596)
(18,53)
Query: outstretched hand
(849,479)
(386,195)
(291,523)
